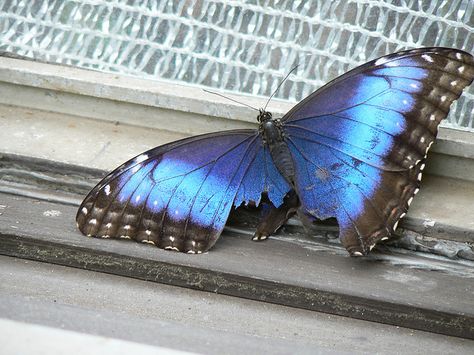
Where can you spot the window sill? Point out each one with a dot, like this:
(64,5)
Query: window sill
(394,288)
(98,120)
(64,127)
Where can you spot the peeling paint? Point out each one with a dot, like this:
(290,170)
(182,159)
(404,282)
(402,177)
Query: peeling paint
(429,223)
(52,213)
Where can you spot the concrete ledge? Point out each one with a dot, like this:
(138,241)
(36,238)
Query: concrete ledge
(22,338)
(128,89)
(161,315)
(377,288)
(181,109)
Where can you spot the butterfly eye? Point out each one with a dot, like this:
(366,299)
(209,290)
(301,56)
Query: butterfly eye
(267,116)
(264,116)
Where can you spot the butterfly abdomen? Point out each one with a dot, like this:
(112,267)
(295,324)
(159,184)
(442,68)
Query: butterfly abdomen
(273,138)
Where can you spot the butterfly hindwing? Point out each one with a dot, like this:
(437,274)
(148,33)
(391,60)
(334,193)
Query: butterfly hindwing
(359,143)
(178,196)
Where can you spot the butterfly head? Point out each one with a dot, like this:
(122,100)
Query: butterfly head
(263,116)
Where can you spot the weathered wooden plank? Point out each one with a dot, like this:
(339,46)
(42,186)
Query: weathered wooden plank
(378,288)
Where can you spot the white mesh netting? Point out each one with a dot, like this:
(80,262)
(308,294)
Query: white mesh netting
(241,46)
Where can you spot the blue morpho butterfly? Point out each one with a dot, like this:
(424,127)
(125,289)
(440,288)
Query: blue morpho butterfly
(353,150)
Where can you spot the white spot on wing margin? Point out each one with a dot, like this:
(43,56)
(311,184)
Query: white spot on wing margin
(427,58)
(141,158)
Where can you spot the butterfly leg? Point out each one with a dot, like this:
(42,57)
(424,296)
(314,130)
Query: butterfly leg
(275,217)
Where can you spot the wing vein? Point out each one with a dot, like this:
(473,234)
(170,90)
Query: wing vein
(294,134)
(359,236)
(207,175)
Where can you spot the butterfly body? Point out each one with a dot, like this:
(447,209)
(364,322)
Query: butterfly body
(273,136)
(353,150)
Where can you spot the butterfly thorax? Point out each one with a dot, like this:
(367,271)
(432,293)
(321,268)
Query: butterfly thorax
(273,137)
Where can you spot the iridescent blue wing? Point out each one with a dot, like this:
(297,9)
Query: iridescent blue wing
(359,143)
(178,196)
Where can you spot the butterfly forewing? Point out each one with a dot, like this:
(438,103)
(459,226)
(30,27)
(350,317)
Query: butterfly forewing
(359,143)
(178,196)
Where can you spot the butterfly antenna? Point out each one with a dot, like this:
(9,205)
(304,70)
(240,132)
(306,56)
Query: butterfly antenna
(228,98)
(279,85)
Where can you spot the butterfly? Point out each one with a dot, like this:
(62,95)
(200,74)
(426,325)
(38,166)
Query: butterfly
(353,150)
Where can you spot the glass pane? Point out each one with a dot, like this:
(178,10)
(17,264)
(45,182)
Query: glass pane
(245,47)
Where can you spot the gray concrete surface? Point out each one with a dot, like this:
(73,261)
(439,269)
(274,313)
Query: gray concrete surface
(394,289)
(70,118)
(172,317)
(18,338)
